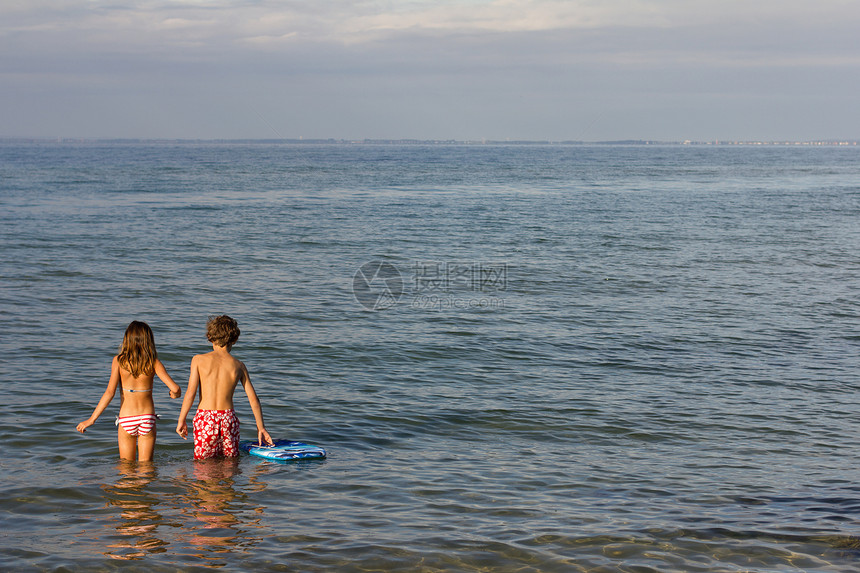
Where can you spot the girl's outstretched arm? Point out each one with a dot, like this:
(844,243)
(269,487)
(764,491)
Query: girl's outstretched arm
(106,397)
(161,372)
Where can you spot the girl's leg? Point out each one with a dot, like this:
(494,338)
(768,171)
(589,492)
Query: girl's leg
(127,444)
(146,446)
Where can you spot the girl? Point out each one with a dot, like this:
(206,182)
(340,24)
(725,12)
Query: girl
(133,370)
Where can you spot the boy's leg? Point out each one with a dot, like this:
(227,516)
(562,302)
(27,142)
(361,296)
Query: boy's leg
(230,434)
(127,444)
(205,435)
(146,446)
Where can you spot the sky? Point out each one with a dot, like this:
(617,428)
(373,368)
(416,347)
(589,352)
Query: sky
(587,70)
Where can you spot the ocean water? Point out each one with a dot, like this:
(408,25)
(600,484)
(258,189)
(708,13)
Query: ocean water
(519,358)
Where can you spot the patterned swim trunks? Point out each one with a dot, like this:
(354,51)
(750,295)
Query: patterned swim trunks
(216,433)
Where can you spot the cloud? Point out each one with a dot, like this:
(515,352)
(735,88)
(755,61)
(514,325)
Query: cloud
(407,67)
(272,25)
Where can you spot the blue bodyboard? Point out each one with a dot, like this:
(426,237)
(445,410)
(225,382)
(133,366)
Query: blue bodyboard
(284,451)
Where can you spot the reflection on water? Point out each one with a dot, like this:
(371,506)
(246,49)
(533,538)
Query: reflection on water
(210,499)
(138,520)
(201,508)
(218,518)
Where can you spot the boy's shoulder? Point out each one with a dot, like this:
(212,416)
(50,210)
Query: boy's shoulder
(208,356)
(202,357)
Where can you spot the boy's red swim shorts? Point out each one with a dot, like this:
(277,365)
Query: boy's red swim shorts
(216,433)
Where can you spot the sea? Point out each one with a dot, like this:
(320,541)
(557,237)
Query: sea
(519,357)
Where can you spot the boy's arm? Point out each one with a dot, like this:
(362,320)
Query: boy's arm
(161,372)
(193,383)
(255,407)
(106,398)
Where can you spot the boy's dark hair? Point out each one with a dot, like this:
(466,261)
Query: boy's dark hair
(222,330)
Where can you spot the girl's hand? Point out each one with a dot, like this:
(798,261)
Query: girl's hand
(82,427)
(176,393)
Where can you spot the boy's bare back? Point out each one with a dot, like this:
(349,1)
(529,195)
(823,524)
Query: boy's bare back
(218,373)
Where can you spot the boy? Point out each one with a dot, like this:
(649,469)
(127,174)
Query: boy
(216,427)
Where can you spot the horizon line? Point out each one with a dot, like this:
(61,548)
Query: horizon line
(415,141)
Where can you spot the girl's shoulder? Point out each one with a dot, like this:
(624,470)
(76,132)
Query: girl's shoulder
(117,363)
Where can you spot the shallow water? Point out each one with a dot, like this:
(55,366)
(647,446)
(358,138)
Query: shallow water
(597,358)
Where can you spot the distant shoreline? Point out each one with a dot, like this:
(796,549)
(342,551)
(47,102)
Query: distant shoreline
(332,141)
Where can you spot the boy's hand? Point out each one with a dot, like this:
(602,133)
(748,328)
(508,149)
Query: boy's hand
(176,393)
(264,434)
(182,429)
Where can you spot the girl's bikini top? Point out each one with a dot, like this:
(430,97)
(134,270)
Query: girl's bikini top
(150,390)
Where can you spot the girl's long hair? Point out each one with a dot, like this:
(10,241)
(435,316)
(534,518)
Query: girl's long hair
(137,353)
